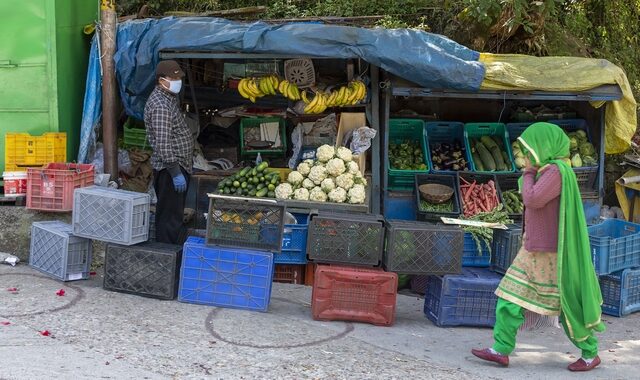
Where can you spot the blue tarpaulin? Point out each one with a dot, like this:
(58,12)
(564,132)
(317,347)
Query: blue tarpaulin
(430,60)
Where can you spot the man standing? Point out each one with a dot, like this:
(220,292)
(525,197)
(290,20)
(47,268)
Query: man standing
(173,145)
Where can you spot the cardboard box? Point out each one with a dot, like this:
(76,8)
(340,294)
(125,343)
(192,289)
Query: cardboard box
(348,122)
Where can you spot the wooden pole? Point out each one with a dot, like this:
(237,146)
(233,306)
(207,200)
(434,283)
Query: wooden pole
(109,112)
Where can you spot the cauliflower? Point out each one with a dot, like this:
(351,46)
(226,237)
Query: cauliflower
(325,153)
(309,162)
(308,184)
(344,154)
(338,195)
(345,181)
(327,185)
(295,178)
(316,194)
(359,179)
(301,194)
(303,168)
(352,167)
(357,194)
(335,167)
(318,174)
(284,191)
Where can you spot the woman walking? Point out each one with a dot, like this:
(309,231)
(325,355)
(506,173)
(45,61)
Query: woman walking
(552,274)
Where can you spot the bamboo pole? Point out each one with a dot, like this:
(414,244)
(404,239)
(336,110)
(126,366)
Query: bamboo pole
(109,119)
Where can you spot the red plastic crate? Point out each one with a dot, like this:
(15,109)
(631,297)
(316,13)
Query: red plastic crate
(51,188)
(354,294)
(310,273)
(289,273)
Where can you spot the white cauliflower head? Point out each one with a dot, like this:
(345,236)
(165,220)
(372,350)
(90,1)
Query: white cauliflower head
(338,195)
(344,154)
(301,194)
(284,191)
(359,179)
(357,194)
(303,168)
(309,162)
(335,167)
(317,174)
(327,185)
(316,194)
(308,184)
(345,181)
(353,168)
(325,153)
(295,178)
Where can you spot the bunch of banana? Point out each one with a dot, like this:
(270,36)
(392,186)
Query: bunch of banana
(252,88)
(351,94)
(317,105)
(289,90)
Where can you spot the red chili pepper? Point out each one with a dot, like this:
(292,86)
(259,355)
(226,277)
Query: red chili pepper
(60,293)
(12,289)
(45,333)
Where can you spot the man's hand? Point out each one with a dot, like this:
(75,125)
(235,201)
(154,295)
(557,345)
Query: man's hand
(180,183)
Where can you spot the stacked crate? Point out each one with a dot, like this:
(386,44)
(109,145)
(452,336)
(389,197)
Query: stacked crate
(290,262)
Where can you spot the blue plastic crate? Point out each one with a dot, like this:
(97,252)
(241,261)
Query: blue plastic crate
(615,245)
(505,247)
(445,132)
(592,206)
(466,299)
(225,277)
(470,255)
(294,242)
(399,206)
(621,292)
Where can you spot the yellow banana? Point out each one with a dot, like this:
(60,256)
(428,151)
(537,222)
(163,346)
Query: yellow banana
(332,99)
(282,87)
(241,89)
(304,97)
(253,99)
(341,96)
(252,88)
(275,81)
(312,104)
(352,94)
(296,92)
(362,90)
(262,85)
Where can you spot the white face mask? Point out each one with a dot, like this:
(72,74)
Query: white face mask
(174,85)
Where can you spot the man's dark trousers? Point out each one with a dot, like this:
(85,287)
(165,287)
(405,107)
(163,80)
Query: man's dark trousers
(169,208)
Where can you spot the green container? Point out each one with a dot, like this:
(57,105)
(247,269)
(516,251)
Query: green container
(135,134)
(401,130)
(477,130)
(43,67)
(254,123)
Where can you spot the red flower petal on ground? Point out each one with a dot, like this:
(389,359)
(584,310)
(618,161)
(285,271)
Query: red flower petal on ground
(45,333)
(12,289)
(92,273)
(60,292)
(5,323)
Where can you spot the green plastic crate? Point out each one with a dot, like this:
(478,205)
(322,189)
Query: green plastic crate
(247,123)
(401,130)
(135,134)
(477,130)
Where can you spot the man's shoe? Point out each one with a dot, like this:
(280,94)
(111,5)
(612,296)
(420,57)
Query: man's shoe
(486,354)
(582,366)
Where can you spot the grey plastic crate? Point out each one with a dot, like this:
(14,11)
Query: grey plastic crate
(346,239)
(147,269)
(110,215)
(56,252)
(152,227)
(421,248)
(238,222)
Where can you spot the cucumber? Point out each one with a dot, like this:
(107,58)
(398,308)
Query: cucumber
(260,186)
(271,194)
(260,168)
(271,187)
(262,193)
(254,172)
(275,180)
(227,191)
(236,184)
(244,171)
(252,193)
(488,142)
(255,180)
(499,141)
(485,157)
(506,158)
(497,157)
(244,185)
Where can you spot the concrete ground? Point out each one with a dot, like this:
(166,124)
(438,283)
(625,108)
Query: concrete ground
(99,334)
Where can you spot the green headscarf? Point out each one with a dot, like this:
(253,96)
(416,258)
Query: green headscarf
(580,297)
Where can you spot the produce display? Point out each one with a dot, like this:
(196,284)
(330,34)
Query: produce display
(478,197)
(348,95)
(259,181)
(332,177)
(445,156)
(254,88)
(407,155)
(582,152)
(513,201)
(484,235)
(432,207)
(489,154)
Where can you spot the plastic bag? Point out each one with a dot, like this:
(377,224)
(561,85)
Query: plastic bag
(361,140)
(124,163)
(296,140)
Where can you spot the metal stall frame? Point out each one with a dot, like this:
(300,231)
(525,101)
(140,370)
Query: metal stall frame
(371,110)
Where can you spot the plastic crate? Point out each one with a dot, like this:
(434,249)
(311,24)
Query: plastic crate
(441,179)
(401,130)
(294,242)
(466,299)
(615,245)
(477,130)
(309,273)
(479,178)
(621,292)
(152,226)
(51,188)
(110,215)
(55,251)
(470,255)
(439,132)
(419,284)
(421,248)
(254,123)
(245,223)
(147,269)
(23,150)
(592,205)
(346,239)
(289,274)
(400,206)
(587,178)
(509,182)
(354,294)
(505,247)
(225,277)
(135,134)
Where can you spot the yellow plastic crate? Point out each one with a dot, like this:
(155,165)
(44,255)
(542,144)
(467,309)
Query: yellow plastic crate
(23,150)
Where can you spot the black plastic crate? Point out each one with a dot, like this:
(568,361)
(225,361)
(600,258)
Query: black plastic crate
(346,239)
(479,179)
(252,223)
(509,182)
(421,248)
(148,269)
(505,247)
(450,180)
(206,184)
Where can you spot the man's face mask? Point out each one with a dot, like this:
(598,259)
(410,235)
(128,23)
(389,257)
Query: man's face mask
(174,85)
